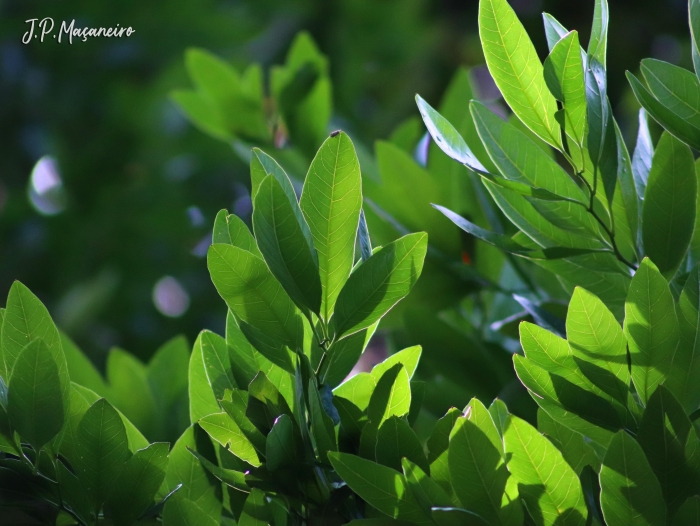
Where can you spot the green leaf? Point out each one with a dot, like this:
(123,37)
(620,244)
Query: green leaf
(563,73)
(439,440)
(651,328)
(231,230)
(408,357)
(243,357)
(456,517)
(343,355)
(550,488)
(396,441)
(357,389)
(694,19)
(573,446)
(255,511)
(664,432)
(685,369)
(675,88)
(280,232)
(382,487)
(668,215)
(322,426)
(478,470)
(256,297)
(129,389)
(230,477)
(380,283)
(137,484)
(627,197)
(185,469)
(217,364)
(674,124)
(102,450)
(516,69)
(598,110)
(630,494)
(391,396)
(281,448)
(689,512)
(203,114)
(180,511)
(642,156)
(202,399)
(26,319)
(81,369)
(596,338)
(34,404)
(262,166)
(508,244)
(226,432)
(427,492)
(73,494)
(598,43)
(553,30)
(331,203)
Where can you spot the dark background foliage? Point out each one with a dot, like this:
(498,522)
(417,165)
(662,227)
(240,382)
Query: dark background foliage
(142,186)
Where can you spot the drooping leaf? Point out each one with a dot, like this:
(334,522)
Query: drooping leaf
(516,69)
(331,203)
(226,432)
(137,484)
(102,450)
(379,283)
(256,297)
(550,488)
(674,124)
(34,402)
(651,328)
(382,487)
(668,215)
(630,493)
(285,241)
(478,470)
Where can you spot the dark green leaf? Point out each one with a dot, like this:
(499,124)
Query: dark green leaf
(285,241)
(651,328)
(553,30)
(331,203)
(137,484)
(456,517)
(694,19)
(255,510)
(380,283)
(395,441)
(363,237)
(598,43)
(382,487)
(675,88)
(343,355)
(184,512)
(102,450)
(34,403)
(630,493)
(281,448)
(427,492)
(230,477)
(322,426)
(668,215)
(597,109)
(518,72)
(689,513)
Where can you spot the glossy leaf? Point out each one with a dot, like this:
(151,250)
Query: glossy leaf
(676,88)
(598,43)
(516,69)
(550,488)
(331,203)
(553,30)
(668,215)
(642,156)
(380,283)
(598,109)
(34,403)
(651,328)
(630,494)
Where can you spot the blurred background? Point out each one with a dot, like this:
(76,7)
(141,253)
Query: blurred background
(108,193)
